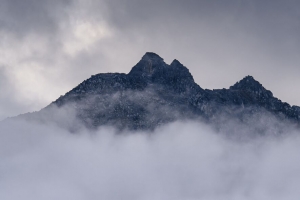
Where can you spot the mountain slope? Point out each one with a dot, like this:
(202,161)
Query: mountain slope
(155,93)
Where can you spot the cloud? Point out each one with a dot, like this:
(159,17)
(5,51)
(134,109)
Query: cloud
(10,101)
(30,16)
(49,47)
(178,161)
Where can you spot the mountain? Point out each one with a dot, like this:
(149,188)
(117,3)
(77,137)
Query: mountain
(155,93)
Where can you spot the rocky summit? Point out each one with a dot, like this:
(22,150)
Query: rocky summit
(155,93)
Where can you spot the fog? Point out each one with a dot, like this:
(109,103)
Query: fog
(181,160)
(48,46)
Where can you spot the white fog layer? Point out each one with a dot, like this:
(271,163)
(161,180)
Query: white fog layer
(179,161)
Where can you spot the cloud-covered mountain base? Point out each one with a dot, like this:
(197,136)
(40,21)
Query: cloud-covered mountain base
(179,161)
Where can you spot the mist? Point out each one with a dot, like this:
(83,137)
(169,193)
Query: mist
(180,160)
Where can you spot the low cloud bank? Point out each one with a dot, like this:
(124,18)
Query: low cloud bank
(182,160)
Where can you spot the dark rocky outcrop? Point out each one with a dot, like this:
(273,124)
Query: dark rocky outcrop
(155,93)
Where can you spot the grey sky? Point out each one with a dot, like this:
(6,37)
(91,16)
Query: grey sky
(48,47)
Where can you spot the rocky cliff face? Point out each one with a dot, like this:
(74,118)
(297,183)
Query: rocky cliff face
(155,93)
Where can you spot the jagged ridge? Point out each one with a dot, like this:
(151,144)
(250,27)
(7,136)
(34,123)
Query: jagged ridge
(155,93)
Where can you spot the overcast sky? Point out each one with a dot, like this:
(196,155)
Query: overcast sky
(47,47)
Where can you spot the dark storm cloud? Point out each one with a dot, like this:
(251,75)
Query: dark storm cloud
(23,17)
(272,24)
(259,14)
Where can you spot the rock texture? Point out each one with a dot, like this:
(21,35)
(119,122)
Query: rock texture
(155,93)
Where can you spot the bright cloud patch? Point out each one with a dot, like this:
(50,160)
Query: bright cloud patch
(84,35)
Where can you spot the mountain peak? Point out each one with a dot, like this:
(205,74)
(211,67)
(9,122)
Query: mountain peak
(150,56)
(149,63)
(247,83)
(175,62)
(249,79)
